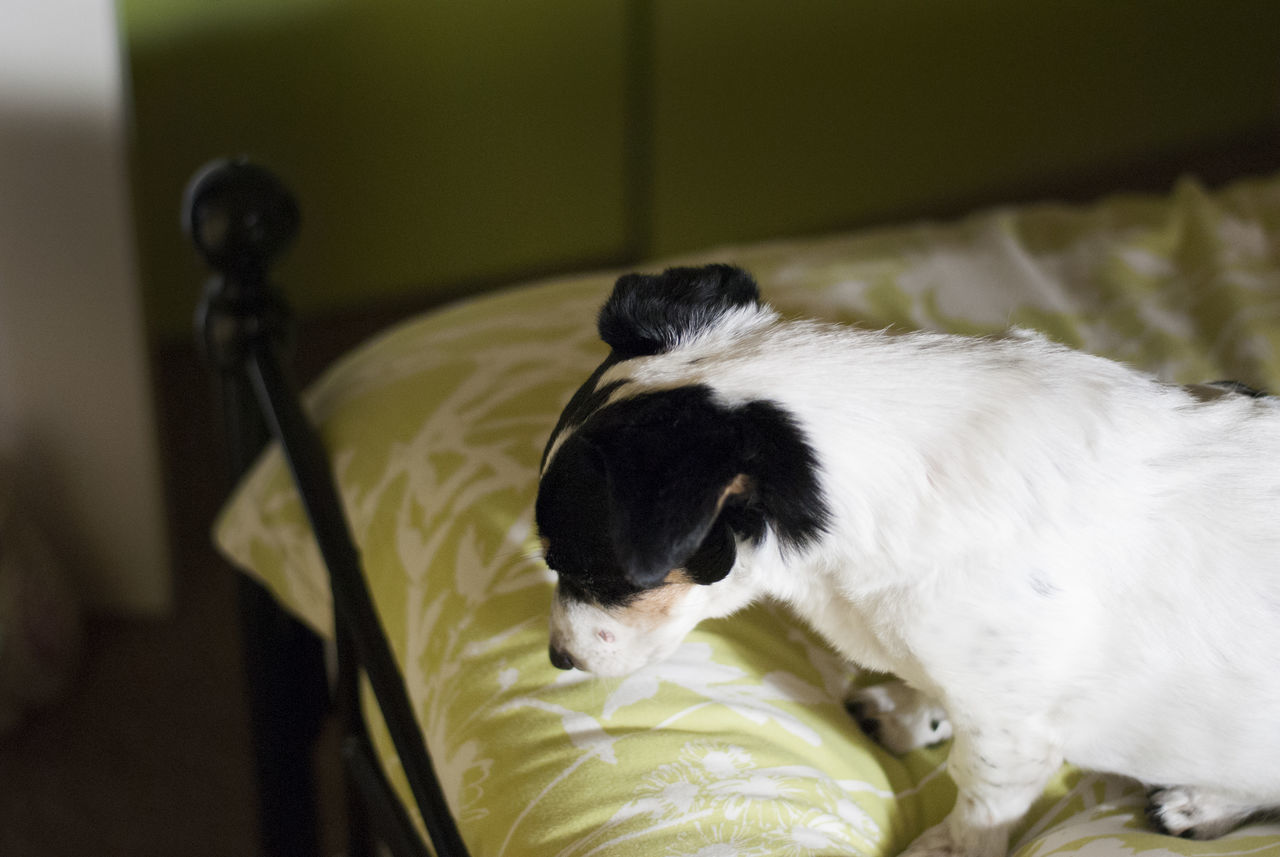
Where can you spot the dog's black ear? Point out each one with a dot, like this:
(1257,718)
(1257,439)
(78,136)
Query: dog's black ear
(672,461)
(651,313)
(714,558)
(686,532)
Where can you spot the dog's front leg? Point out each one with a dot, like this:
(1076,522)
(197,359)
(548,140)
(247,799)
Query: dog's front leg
(999,770)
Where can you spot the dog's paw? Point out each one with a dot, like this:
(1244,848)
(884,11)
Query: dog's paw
(1194,813)
(898,717)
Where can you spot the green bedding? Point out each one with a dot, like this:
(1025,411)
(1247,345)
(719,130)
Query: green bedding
(739,745)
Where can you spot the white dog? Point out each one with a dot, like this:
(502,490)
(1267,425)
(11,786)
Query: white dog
(1072,559)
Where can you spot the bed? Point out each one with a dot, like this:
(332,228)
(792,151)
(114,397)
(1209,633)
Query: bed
(739,744)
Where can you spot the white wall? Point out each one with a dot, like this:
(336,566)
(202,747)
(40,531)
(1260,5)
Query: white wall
(75,397)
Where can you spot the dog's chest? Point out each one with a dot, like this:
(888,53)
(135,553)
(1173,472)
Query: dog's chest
(865,630)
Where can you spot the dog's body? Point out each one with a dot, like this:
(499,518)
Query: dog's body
(1074,560)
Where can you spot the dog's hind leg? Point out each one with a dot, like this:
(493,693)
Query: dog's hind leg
(898,717)
(1196,813)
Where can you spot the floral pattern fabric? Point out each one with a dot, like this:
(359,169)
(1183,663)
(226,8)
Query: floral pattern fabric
(739,744)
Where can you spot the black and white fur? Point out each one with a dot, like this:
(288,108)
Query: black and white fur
(1062,558)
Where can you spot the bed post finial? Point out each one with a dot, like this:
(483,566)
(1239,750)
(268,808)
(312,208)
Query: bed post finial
(240,217)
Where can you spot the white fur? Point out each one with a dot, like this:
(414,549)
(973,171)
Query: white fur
(1076,561)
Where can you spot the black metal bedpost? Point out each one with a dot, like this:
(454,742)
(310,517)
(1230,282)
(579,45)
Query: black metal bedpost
(240,218)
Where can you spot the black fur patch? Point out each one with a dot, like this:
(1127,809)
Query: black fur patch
(573,516)
(639,488)
(1241,389)
(586,401)
(650,313)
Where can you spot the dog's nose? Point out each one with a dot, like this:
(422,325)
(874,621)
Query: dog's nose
(561,659)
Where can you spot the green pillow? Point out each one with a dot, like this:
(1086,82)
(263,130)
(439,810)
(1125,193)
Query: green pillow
(740,743)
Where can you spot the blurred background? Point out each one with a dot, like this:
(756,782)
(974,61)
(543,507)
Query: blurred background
(440,148)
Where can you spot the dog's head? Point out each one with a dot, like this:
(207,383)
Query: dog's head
(648,490)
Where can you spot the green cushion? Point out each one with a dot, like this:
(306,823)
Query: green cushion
(741,740)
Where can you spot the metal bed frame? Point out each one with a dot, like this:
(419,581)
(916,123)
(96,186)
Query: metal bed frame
(240,217)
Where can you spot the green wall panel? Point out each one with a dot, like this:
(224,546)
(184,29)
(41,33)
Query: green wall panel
(433,144)
(779,118)
(438,144)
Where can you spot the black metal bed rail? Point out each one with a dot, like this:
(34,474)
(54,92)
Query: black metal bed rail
(239,217)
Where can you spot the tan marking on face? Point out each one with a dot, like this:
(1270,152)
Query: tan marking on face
(652,608)
(741,484)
